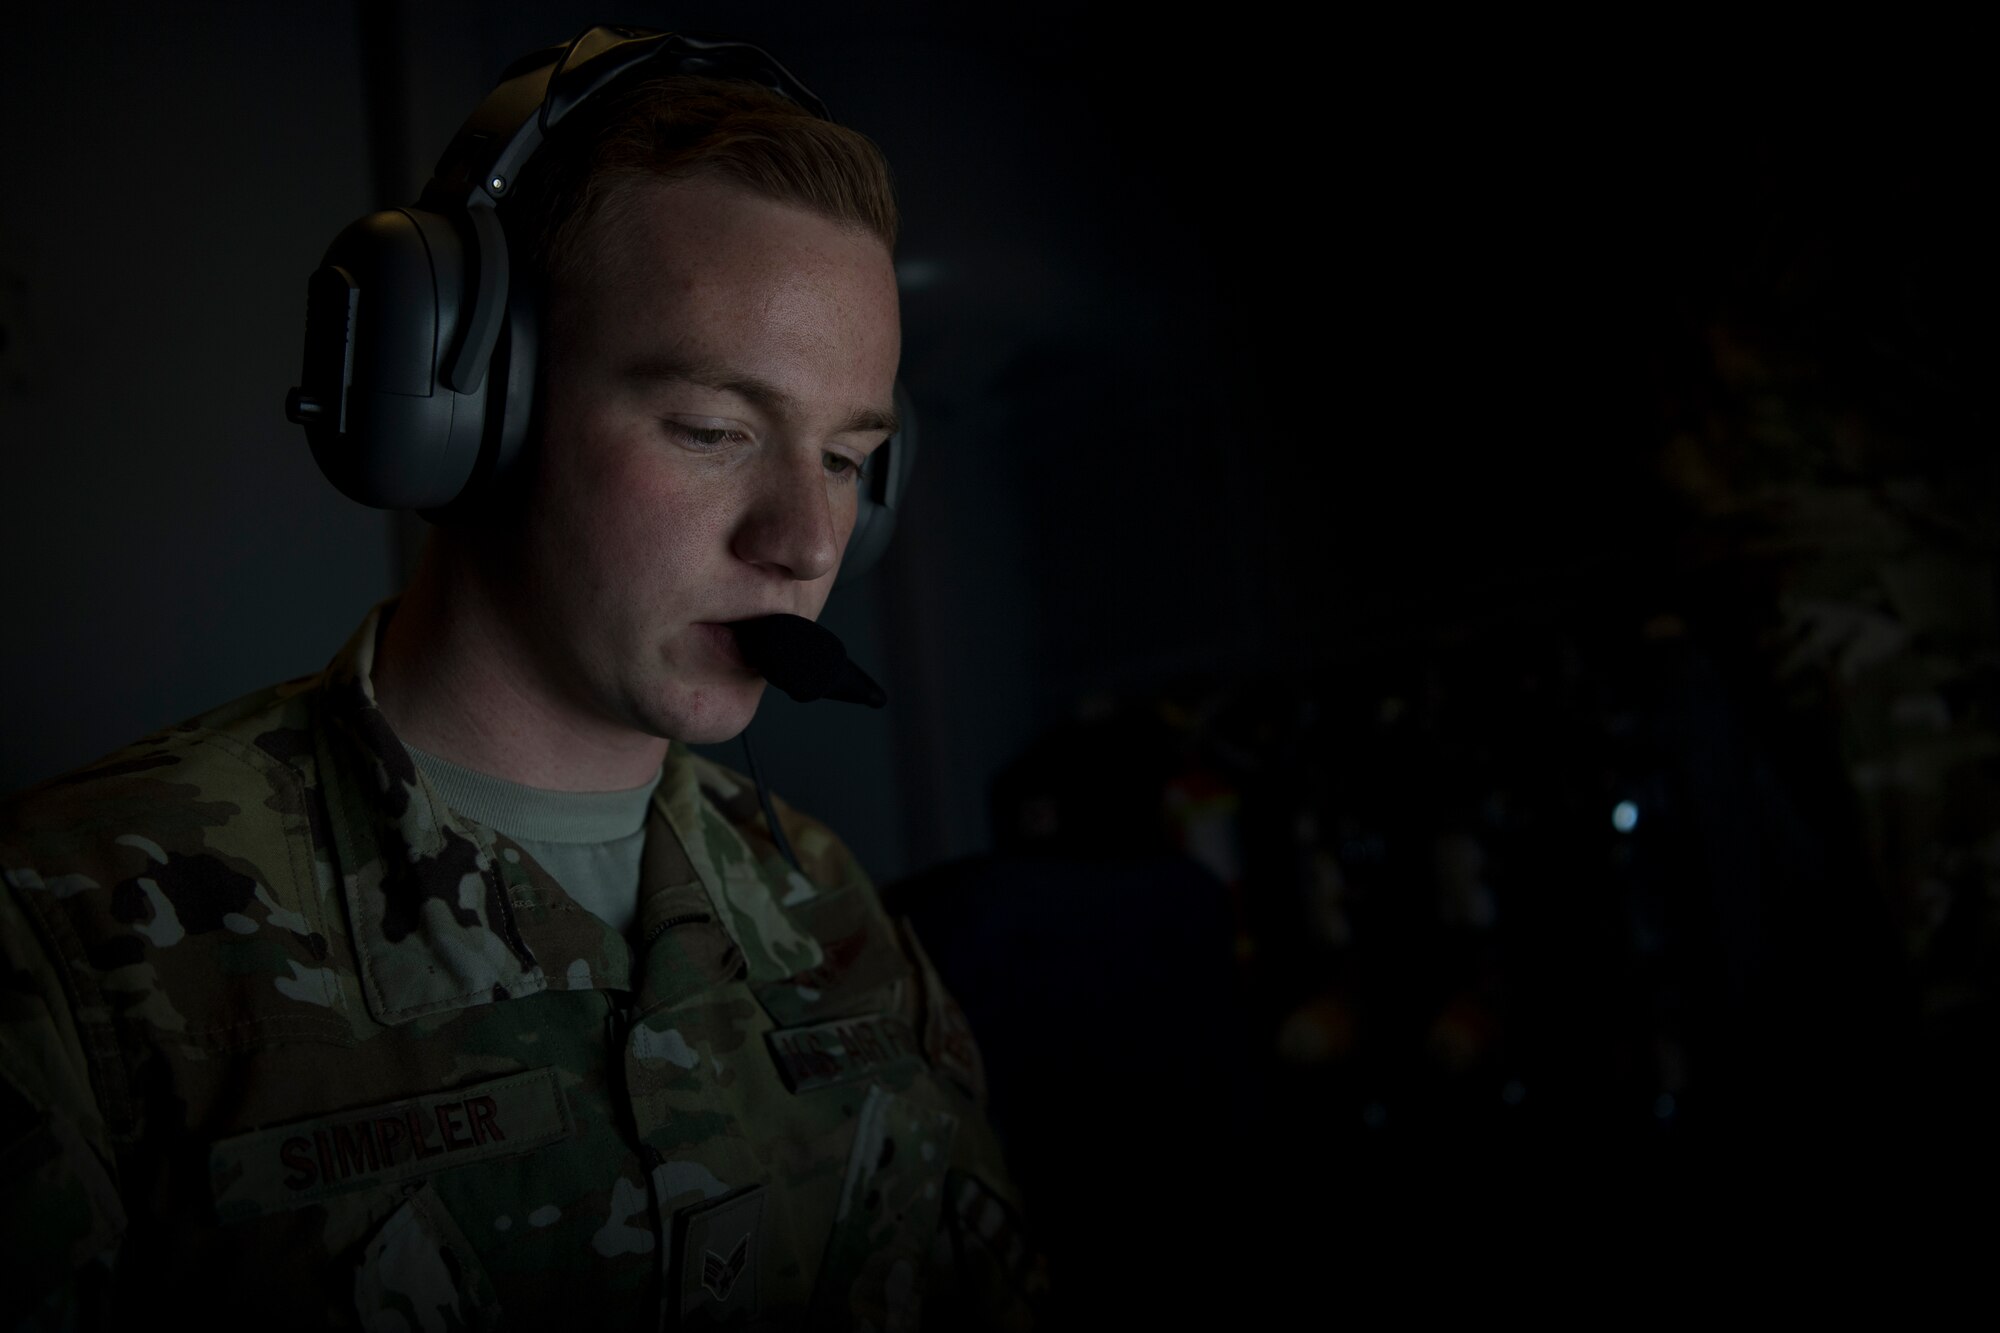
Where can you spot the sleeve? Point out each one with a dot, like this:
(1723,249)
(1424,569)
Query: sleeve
(59,1207)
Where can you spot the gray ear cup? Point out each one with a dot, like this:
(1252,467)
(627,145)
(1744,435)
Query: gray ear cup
(882,493)
(381,312)
(510,398)
(511,402)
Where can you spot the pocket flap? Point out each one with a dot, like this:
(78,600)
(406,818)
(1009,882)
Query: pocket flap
(419,1272)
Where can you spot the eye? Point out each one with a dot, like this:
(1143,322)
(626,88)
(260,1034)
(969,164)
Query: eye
(701,437)
(843,466)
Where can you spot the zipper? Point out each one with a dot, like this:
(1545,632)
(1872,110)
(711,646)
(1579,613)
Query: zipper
(684,919)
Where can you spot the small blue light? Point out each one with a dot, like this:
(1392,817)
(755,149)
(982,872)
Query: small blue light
(1625,816)
(1664,1107)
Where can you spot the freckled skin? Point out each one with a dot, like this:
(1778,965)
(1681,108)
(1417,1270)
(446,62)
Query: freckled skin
(560,648)
(633,538)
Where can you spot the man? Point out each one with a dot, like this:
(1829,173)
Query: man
(443,988)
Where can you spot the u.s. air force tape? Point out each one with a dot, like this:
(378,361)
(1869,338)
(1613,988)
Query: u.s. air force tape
(295,1164)
(847,1048)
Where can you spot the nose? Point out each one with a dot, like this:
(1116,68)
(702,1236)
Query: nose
(788,525)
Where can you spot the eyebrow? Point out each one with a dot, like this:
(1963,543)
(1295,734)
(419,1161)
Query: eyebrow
(761,392)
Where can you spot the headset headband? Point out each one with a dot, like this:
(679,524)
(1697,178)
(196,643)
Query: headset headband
(534,95)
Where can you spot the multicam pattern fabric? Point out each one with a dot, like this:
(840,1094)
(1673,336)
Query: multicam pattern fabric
(283,1035)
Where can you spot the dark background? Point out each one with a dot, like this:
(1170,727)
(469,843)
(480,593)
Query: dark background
(1355,466)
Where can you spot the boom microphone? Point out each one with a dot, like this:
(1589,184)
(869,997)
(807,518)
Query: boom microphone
(805,660)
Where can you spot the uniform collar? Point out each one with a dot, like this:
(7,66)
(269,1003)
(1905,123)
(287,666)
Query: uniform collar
(748,891)
(444,916)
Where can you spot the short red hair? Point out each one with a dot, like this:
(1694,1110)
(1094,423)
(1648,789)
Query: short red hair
(683,127)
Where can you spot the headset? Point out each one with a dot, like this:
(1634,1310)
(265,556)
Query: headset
(420,351)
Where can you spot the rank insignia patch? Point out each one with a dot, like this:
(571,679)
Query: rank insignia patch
(719,1253)
(718,1274)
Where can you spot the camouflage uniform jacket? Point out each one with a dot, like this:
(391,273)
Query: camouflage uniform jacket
(283,1034)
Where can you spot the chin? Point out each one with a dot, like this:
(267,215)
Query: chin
(709,715)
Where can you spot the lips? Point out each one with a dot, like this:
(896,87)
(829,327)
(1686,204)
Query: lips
(721,641)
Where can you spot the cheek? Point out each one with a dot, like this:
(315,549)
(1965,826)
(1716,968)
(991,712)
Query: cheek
(632,510)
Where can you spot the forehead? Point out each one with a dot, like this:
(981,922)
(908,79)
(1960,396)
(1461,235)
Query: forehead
(654,245)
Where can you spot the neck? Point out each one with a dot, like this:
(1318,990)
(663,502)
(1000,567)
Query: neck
(455,677)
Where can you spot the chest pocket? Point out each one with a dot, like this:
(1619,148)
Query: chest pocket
(853,1017)
(357,1200)
(418,1272)
(871,1275)
(850,1031)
